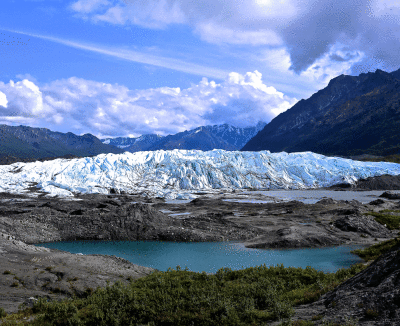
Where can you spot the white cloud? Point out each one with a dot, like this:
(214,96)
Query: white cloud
(149,13)
(89,6)
(136,56)
(114,15)
(114,110)
(213,33)
(338,60)
(306,28)
(24,99)
(3,100)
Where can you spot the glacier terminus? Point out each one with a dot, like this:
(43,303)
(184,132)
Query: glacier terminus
(180,174)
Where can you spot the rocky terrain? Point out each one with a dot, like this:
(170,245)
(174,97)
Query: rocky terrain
(27,271)
(371,297)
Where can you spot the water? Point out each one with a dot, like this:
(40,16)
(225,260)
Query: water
(311,196)
(211,256)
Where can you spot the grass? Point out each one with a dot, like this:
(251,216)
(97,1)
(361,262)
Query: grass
(373,252)
(385,217)
(251,296)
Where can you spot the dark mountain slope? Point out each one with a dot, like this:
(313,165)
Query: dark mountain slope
(332,121)
(29,144)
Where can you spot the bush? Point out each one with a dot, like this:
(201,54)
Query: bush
(373,252)
(372,313)
(2,313)
(179,297)
(392,222)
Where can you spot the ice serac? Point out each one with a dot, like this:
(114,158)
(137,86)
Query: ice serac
(181,173)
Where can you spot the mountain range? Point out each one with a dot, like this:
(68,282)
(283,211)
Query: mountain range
(203,138)
(26,144)
(22,143)
(353,115)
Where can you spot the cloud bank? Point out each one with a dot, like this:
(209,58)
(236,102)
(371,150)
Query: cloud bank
(83,106)
(307,29)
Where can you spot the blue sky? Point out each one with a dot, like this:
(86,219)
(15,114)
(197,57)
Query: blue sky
(126,68)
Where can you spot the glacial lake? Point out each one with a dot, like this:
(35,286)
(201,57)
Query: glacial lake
(211,256)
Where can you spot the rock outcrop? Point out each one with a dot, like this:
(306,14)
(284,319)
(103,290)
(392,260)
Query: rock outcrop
(372,296)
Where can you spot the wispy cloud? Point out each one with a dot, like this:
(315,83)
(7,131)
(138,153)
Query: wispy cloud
(135,56)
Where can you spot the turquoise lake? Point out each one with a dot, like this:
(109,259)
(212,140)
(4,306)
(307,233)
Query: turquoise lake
(211,256)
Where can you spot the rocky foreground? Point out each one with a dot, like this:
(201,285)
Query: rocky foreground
(27,271)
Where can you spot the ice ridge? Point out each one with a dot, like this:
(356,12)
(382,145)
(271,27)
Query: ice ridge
(180,173)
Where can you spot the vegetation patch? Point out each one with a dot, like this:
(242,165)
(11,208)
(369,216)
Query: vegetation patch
(14,284)
(375,251)
(251,296)
(372,313)
(390,158)
(387,218)
(2,313)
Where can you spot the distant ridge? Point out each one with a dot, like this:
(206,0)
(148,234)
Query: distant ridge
(204,138)
(353,115)
(27,144)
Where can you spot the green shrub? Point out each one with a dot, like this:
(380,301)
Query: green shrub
(373,252)
(6,272)
(251,296)
(372,313)
(2,313)
(392,222)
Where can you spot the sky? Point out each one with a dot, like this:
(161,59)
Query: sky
(131,67)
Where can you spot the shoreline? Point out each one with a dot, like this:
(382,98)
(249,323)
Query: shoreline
(56,274)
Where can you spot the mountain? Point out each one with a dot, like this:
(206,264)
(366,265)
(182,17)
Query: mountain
(204,138)
(129,144)
(199,138)
(180,173)
(353,115)
(24,143)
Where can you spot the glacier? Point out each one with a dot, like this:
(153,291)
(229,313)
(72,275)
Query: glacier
(180,174)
